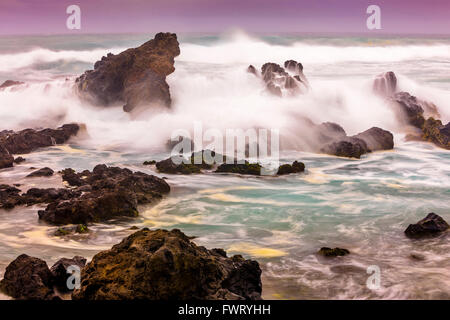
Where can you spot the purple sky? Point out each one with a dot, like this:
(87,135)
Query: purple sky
(323,16)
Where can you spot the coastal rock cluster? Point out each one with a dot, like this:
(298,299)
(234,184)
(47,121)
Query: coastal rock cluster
(105,193)
(420,115)
(167,265)
(279,80)
(29,140)
(150,265)
(135,77)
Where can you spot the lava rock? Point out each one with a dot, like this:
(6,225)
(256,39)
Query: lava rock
(60,271)
(29,140)
(336,252)
(44,172)
(28,278)
(135,77)
(167,265)
(245,168)
(431,225)
(108,193)
(295,167)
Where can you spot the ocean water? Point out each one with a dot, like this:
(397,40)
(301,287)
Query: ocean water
(362,205)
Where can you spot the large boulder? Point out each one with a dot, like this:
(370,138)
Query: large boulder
(167,265)
(134,77)
(29,140)
(106,193)
(348,147)
(28,278)
(377,139)
(431,225)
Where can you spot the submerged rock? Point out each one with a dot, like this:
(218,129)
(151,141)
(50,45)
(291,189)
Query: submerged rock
(19,160)
(240,168)
(167,265)
(44,172)
(295,167)
(134,77)
(28,278)
(60,271)
(336,252)
(106,193)
(431,225)
(29,140)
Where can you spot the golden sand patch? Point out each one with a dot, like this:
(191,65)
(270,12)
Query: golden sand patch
(256,251)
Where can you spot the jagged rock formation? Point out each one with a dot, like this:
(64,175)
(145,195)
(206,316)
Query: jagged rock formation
(277,79)
(422,116)
(134,77)
(167,265)
(106,193)
(28,140)
(431,225)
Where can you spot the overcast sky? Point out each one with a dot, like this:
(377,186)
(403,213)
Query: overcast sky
(322,16)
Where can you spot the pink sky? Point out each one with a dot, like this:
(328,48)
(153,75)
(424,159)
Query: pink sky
(324,16)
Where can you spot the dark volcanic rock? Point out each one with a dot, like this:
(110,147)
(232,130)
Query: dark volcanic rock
(431,225)
(60,271)
(6,159)
(167,265)
(107,193)
(19,160)
(44,172)
(240,168)
(10,83)
(295,167)
(349,147)
(9,197)
(410,109)
(28,140)
(433,131)
(328,252)
(377,139)
(28,278)
(134,77)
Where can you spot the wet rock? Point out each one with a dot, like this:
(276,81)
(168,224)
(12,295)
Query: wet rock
(251,69)
(245,168)
(9,196)
(60,271)
(44,172)
(6,159)
(19,160)
(29,140)
(110,193)
(431,225)
(135,77)
(410,109)
(167,265)
(349,147)
(28,278)
(336,252)
(176,165)
(10,83)
(377,139)
(149,163)
(295,167)
(433,131)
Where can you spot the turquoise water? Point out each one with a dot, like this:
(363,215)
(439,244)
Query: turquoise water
(362,205)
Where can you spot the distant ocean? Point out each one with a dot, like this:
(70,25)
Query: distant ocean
(362,205)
